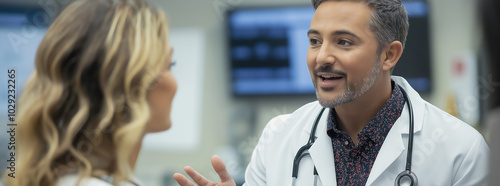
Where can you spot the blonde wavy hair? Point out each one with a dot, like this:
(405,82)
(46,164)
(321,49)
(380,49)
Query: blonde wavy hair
(85,107)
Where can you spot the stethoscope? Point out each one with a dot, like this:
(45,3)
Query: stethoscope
(407,173)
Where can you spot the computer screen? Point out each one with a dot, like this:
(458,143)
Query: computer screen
(268,49)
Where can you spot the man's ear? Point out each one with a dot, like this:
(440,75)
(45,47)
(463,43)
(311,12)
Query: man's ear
(391,54)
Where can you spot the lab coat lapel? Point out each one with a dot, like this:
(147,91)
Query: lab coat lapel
(391,149)
(393,145)
(322,153)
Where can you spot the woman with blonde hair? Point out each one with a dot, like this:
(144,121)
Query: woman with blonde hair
(102,81)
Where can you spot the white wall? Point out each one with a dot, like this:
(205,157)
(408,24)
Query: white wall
(226,119)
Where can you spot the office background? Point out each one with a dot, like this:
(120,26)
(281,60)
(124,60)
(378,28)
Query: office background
(230,126)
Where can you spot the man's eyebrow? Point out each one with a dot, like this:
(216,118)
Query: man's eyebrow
(345,32)
(312,31)
(338,32)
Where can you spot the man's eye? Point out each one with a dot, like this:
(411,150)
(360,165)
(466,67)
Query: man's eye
(344,42)
(314,42)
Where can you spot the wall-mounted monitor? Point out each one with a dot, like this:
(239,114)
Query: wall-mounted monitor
(268,49)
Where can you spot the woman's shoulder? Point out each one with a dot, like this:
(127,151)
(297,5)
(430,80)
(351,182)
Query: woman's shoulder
(73,180)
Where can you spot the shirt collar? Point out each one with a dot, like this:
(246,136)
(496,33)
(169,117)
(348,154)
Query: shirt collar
(378,128)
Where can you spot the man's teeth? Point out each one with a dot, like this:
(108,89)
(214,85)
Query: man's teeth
(327,76)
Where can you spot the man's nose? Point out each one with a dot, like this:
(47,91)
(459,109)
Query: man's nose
(326,55)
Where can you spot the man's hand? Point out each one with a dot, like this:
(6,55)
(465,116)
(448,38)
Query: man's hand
(219,167)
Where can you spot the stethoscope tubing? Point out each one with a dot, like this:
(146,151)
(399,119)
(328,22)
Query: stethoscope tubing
(407,172)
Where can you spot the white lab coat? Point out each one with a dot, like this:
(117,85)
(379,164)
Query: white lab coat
(446,151)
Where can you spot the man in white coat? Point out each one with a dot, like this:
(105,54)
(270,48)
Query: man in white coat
(362,136)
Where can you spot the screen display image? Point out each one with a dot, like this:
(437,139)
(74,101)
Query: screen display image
(268,50)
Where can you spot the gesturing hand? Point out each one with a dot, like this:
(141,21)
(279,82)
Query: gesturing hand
(219,167)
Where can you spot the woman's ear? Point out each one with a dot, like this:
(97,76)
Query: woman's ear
(391,55)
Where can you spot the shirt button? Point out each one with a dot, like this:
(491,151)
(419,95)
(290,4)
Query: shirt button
(346,142)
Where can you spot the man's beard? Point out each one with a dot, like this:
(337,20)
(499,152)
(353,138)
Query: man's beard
(353,90)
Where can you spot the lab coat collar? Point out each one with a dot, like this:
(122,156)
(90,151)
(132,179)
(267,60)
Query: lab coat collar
(322,151)
(393,145)
(417,102)
(418,107)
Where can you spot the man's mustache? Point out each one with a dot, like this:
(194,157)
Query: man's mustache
(328,69)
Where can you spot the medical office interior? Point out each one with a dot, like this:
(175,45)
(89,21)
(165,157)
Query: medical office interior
(240,63)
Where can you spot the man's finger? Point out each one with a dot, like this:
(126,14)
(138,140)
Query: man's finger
(197,177)
(220,168)
(182,180)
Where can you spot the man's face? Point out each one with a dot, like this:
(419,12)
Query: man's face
(342,56)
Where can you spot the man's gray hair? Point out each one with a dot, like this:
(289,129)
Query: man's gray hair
(389,21)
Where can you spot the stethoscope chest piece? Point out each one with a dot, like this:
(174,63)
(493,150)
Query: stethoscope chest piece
(406,178)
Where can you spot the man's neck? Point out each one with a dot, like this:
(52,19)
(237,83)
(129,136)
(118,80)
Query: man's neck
(355,115)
